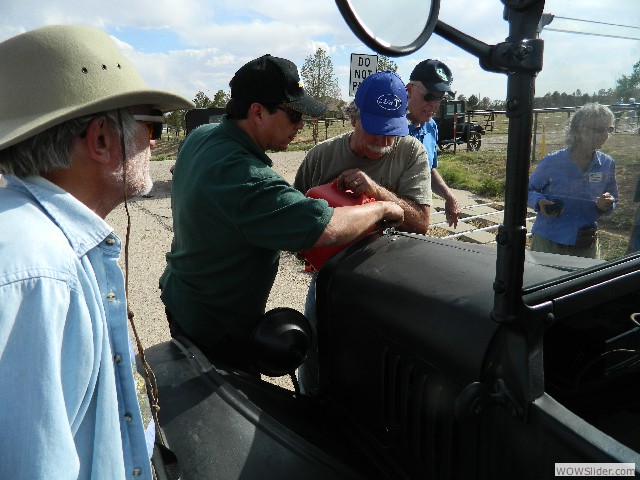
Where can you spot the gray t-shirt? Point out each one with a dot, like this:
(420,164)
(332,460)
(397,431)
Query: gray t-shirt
(404,171)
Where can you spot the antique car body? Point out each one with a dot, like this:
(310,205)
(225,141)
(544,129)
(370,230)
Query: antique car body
(455,126)
(199,116)
(438,359)
(418,379)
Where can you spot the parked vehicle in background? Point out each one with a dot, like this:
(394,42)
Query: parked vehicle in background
(456,127)
(200,116)
(626,116)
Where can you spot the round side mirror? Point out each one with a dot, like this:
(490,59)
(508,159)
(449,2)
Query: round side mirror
(281,342)
(385,29)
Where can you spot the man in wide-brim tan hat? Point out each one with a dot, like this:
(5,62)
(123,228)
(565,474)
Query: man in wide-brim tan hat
(76,123)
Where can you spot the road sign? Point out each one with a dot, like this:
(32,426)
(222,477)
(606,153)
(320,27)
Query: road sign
(361,67)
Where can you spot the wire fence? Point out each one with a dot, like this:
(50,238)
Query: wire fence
(548,127)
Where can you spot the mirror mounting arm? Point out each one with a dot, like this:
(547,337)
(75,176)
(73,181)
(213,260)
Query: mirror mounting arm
(466,42)
(515,57)
(524,56)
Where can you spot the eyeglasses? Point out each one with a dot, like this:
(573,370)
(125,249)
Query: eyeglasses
(154,122)
(428,96)
(294,115)
(602,129)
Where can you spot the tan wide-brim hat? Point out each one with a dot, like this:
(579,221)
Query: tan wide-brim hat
(59,72)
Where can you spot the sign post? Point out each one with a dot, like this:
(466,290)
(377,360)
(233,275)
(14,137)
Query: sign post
(361,67)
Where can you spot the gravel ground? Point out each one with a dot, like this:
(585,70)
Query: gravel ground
(150,239)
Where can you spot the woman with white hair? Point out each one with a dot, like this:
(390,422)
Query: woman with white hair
(571,188)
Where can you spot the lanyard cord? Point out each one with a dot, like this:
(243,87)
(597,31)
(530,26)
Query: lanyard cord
(151,382)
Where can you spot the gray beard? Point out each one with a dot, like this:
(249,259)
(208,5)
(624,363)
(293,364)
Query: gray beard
(380,150)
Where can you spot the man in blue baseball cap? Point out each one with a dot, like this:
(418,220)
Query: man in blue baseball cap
(378,158)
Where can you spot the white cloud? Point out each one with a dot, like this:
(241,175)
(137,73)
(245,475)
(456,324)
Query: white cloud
(195,45)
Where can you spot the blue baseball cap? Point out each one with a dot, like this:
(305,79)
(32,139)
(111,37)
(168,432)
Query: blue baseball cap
(382,101)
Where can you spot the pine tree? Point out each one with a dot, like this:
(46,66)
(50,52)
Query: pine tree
(318,77)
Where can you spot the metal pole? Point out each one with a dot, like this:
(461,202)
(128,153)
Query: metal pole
(511,238)
(535,137)
(455,128)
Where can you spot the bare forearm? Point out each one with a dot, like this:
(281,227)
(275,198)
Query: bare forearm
(416,217)
(451,205)
(348,223)
(438,185)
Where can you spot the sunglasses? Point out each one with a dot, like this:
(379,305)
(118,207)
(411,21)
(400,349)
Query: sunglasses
(428,96)
(294,115)
(154,122)
(602,129)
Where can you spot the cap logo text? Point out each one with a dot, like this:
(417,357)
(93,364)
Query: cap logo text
(389,101)
(442,74)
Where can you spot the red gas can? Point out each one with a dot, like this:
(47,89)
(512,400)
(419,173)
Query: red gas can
(336,197)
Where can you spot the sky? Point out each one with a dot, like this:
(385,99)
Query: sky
(188,46)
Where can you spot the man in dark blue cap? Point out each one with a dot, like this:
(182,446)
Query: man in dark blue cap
(429,83)
(232,214)
(376,158)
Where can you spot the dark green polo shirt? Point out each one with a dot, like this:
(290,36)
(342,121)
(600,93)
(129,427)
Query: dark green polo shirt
(232,215)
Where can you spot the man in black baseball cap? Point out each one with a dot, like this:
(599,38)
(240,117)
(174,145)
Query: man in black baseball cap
(434,76)
(232,214)
(429,83)
(273,80)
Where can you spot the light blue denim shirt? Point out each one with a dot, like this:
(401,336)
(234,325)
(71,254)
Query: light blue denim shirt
(68,405)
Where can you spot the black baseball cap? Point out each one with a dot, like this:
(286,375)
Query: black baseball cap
(272,80)
(434,74)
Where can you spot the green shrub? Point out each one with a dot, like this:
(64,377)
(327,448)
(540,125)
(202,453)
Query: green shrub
(491,187)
